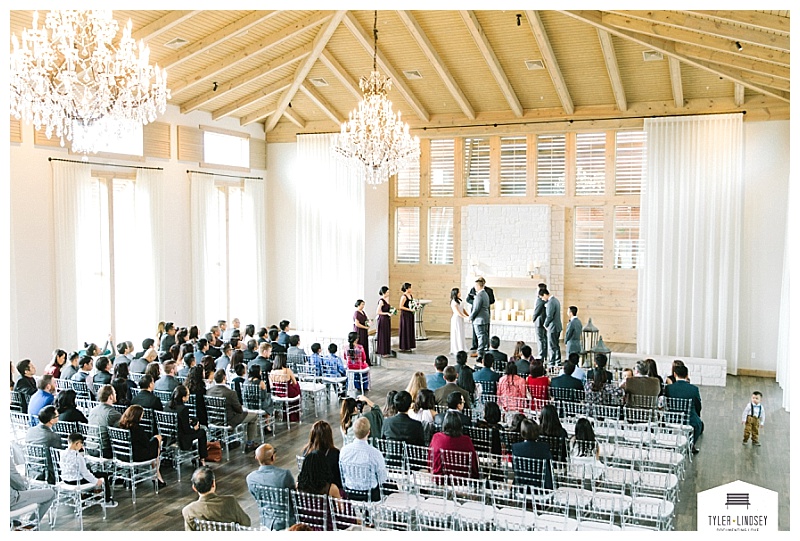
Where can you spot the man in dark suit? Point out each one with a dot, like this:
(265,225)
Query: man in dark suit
(470,299)
(450,376)
(524,362)
(145,397)
(401,427)
(552,324)
(455,403)
(42,434)
(572,338)
(538,324)
(500,358)
(236,415)
(263,359)
(683,389)
(283,336)
(168,382)
(139,366)
(487,374)
(565,380)
(26,384)
(147,343)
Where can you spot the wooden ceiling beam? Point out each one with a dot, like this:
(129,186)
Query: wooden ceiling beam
(330,62)
(485,48)
(436,61)
(610,57)
(162,25)
(321,102)
(714,28)
(248,52)
(738,95)
(676,80)
(682,35)
(320,41)
(668,48)
(222,35)
(733,60)
(550,61)
(766,21)
(246,78)
(255,116)
(244,101)
(755,78)
(294,118)
(398,83)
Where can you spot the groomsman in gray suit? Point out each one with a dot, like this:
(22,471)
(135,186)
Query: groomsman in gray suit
(480,316)
(552,323)
(538,322)
(572,338)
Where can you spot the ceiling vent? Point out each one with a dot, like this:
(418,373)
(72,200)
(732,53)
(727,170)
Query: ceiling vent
(652,56)
(318,81)
(412,74)
(176,43)
(534,64)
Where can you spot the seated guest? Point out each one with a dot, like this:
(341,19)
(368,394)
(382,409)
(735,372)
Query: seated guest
(600,362)
(44,396)
(566,380)
(551,430)
(168,338)
(530,448)
(67,410)
(189,430)
(671,377)
(262,359)
(598,387)
(357,360)
(333,361)
(211,506)
(102,376)
(104,415)
(240,378)
(487,374)
(154,371)
(277,347)
(500,358)
(579,373)
(652,372)
(57,363)
(583,446)
(389,409)
(436,380)
(250,353)
(465,379)
(352,409)
(424,407)
(641,384)
(316,358)
(261,335)
(450,376)
(400,426)
(283,337)
(144,448)
(222,362)
(75,472)
(147,344)
(22,496)
(295,351)
(235,414)
(139,366)
(524,362)
(511,389)
(26,384)
(538,382)
(683,389)
(71,366)
(196,385)
(320,440)
(491,420)
(416,383)
(451,438)
(42,434)
(145,397)
(186,352)
(315,477)
(362,455)
(269,475)
(188,363)
(455,404)
(123,385)
(168,382)
(124,353)
(254,376)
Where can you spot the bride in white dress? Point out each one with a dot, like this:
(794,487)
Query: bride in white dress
(457,340)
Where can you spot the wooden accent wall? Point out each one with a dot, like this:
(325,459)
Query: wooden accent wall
(607,295)
(157,140)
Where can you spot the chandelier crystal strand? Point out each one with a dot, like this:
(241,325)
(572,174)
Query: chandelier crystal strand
(70,78)
(375,143)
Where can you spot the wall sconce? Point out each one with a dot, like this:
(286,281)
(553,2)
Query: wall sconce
(533,269)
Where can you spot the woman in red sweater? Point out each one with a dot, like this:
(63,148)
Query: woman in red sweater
(538,383)
(451,438)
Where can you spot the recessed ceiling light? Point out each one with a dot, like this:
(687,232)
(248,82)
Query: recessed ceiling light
(318,81)
(176,43)
(534,64)
(652,56)
(412,74)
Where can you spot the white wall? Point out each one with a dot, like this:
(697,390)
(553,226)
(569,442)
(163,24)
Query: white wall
(766,179)
(376,254)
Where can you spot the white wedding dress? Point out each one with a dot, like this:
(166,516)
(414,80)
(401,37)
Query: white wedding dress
(457,322)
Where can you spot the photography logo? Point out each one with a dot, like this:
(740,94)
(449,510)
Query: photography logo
(737,507)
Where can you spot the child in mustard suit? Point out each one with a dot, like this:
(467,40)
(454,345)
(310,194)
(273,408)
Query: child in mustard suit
(753,418)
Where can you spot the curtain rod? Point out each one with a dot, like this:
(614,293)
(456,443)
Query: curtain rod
(229,176)
(105,164)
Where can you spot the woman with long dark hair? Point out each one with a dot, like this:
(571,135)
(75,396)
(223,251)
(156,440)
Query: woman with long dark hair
(466,379)
(320,440)
(196,385)
(408,337)
(361,326)
(189,430)
(316,476)
(599,387)
(458,340)
(356,360)
(451,438)
(59,359)
(66,408)
(552,431)
(491,420)
(352,409)
(122,384)
(144,448)
(383,343)
(511,389)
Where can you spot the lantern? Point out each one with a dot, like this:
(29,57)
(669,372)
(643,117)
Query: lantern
(589,337)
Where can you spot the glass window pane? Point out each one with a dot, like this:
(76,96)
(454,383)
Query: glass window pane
(588,247)
(631,160)
(440,236)
(627,244)
(590,163)
(442,167)
(476,166)
(551,158)
(226,149)
(407,235)
(513,166)
(408,180)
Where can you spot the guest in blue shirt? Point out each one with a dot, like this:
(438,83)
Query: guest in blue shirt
(316,358)
(486,373)
(283,336)
(42,397)
(436,380)
(332,362)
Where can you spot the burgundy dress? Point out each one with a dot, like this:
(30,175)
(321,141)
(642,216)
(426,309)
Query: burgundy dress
(363,334)
(383,345)
(408,338)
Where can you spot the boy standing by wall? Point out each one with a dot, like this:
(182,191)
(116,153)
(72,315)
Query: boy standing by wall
(753,418)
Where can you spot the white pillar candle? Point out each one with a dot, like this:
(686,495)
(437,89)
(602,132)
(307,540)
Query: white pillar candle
(516,306)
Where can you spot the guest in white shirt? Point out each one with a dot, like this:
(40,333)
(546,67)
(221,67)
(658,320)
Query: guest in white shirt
(75,472)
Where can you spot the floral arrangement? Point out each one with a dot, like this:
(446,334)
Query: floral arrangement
(392,311)
(414,304)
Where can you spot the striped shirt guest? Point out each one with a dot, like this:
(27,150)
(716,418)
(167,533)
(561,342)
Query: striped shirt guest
(363,466)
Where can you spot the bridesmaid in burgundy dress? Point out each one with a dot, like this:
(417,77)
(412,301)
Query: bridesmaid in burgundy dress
(383,344)
(408,340)
(361,326)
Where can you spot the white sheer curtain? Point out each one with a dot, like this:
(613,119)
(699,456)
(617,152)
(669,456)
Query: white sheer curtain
(783,373)
(330,239)
(150,187)
(248,253)
(208,268)
(691,227)
(72,187)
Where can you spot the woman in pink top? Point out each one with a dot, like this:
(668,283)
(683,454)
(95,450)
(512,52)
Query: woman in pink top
(357,360)
(511,390)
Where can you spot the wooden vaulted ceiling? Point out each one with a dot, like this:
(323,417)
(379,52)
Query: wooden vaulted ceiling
(261,66)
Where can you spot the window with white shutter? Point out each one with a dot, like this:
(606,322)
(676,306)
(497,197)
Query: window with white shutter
(588,245)
(513,165)
(590,163)
(551,156)
(407,235)
(630,162)
(476,166)
(408,180)
(627,244)
(442,167)
(440,236)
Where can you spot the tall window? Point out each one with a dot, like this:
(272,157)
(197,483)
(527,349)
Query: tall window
(590,163)
(551,157)
(440,236)
(626,237)
(588,241)
(442,167)
(513,165)
(408,180)
(630,162)
(476,166)
(407,235)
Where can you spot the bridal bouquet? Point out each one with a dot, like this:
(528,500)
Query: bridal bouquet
(392,311)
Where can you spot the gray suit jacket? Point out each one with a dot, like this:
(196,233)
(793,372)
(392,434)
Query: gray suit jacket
(233,407)
(572,337)
(552,319)
(480,308)
(539,313)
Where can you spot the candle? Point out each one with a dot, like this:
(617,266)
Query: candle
(516,306)
(508,304)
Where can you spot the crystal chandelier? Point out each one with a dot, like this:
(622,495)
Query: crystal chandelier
(374,142)
(71,78)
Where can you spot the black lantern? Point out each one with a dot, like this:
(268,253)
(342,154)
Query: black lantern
(589,336)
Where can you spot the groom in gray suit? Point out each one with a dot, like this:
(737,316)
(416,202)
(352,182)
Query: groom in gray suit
(552,322)
(480,316)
